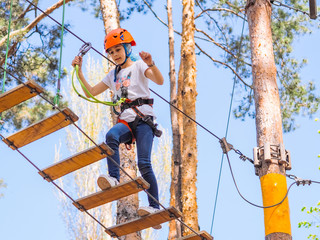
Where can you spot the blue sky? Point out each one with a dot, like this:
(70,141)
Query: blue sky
(30,209)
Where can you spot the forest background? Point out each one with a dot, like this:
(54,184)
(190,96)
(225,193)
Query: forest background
(28,201)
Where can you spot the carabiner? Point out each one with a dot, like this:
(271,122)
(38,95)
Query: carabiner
(84,49)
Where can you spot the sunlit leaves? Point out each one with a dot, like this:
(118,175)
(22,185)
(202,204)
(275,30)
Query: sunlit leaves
(36,57)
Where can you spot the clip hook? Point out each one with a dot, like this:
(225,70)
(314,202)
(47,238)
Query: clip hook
(84,49)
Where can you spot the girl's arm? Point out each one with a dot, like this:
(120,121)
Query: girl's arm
(152,72)
(95,90)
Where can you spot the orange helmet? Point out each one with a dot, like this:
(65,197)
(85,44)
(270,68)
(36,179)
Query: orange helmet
(118,36)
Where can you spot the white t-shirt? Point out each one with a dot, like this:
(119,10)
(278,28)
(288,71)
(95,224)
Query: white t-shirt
(137,85)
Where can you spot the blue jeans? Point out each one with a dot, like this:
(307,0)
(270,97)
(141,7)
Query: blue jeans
(120,133)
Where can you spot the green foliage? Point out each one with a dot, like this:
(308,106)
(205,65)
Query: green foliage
(315,213)
(298,96)
(36,57)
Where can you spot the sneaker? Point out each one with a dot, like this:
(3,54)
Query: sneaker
(144,211)
(105,181)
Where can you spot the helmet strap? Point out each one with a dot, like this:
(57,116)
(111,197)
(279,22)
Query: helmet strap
(118,67)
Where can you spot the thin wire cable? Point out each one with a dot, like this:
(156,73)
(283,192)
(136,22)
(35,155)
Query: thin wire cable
(215,21)
(227,129)
(56,185)
(179,111)
(114,63)
(253,204)
(57,97)
(67,29)
(199,124)
(150,90)
(86,135)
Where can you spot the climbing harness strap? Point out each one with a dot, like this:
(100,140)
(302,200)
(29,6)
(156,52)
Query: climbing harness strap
(140,117)
(133,139)
(147,119)
(136,103)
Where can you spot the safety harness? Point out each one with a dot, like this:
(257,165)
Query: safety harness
(139,117)
(124,102)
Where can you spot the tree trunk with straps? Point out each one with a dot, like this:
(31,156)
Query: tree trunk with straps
(189,137)
(126,207)
(268,118)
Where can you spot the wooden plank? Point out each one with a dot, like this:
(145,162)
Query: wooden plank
(112,194)
(203,235)
(18,95)
(76,161)
(139,224)
(40,129)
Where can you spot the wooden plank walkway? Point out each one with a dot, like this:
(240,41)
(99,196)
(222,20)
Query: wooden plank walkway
(18,95)
(77,161)
(41,129)
(112,194)
(139,224)
(203,235)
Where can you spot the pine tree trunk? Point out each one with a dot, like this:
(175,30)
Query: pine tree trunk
(267,104)
(110,15)
(176,125)
(189,139)
(126,207)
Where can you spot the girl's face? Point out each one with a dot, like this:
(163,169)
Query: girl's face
(117,53)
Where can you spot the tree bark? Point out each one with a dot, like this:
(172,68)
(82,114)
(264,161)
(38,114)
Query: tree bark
(110,15)
(189,139)
(176,125)
(126,207)
(268,113)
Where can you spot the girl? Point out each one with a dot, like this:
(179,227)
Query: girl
(129,80)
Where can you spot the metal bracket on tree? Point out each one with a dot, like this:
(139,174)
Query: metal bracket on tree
(271,154)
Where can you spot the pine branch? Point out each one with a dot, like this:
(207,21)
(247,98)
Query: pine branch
(22,32)
(221,9)
(222,47)
(224,64)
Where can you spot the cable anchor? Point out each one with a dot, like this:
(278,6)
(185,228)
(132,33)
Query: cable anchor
(84,49)
(299,180)
(271,153)
(226,147)
(242,156)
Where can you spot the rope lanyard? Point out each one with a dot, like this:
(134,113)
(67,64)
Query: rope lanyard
(6,59)
(58,95)
(7,50)
(93,100)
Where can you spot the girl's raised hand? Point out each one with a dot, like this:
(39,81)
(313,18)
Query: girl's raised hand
(146,57)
